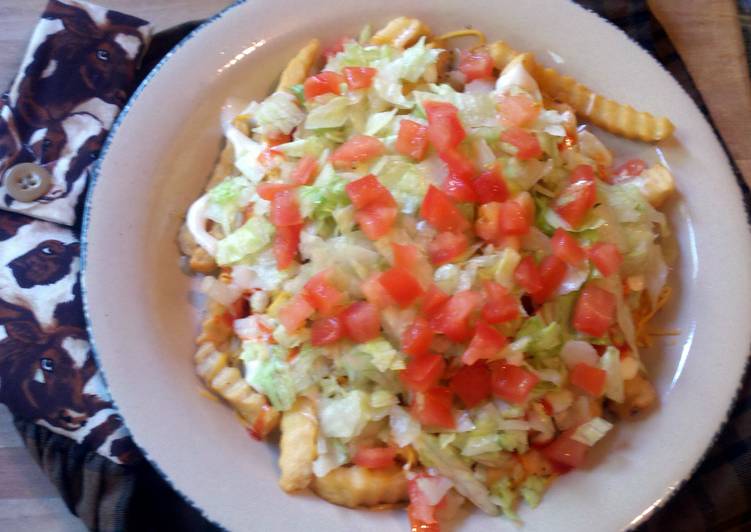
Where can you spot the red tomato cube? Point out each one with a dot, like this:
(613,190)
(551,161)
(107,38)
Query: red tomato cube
(606,258)
(375,457)
(476,64)
(490,186)
(362,322)
(526,144)
(594,312)
(356,150)
(359,77)
(284,209)
(445,130)
(589,379)
(325,331)
(512,383)
(412,139)
(423,372)
(416,338)
(440,212)
(527,275)
(294,313)
(401,285)
(500,306)
(471,384)
(453,317)
(286,242)
(325,297)
(323,83)
(433,408)
(487,343)
(446,247)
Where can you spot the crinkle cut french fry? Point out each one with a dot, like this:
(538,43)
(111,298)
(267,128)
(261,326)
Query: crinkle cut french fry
(610,115)
(297,445)
(300,66)
(227,382)
(358,487)
(401,32)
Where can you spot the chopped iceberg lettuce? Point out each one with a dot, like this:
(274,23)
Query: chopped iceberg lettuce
(250,238)
(346,416)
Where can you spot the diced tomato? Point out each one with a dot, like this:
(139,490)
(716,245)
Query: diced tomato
(476,64)
(423,372)
(304,171)
(375,221)
(412,139)
(459,189)
(631,168)
(552,272)
(459,165)
(440,212)
(488,223)
(277,137)
(446,247)
(576,199)
(526,144)
(490,186)
(401,285)
(268,190)
(294,313)
(527,275)
(471,384)
(514,217)
(433,408)
(566,451)
(405,255)
(487,343)
(421,513)
(589,379)
(367,191)
(284,209)
(518,110)
(269,156)
(500,305)
(606,257)
(416,338)
(361,321)
(375,457)
(512,383)
(375,293)
(359,77)
(594,312)
(433,301)
(323,83)
(582,172)
(325,297)
(452,319)
(357,149)
(325,331)
(286,241)
(338,46)
(445,130)
(566,248)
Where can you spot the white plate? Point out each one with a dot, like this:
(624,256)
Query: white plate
(142,320)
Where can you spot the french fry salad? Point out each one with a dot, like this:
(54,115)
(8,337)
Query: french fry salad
(426,275)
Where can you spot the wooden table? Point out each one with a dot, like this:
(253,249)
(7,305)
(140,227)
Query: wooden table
(707,36)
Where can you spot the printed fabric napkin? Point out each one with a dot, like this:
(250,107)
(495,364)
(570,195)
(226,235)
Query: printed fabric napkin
(80,67)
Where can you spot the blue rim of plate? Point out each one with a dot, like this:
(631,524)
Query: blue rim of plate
(95,173)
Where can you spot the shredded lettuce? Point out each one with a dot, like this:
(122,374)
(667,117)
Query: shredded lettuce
(544,339)
(320,200)
(355,54)
(377,122)
(332,453)
(333,113)
(346,416)
(506,497)
(227,199)
(592,431)
(382,355)
(279,113)
(403,179)
(514,440)
(610,362)
(410,66)
(267,372)
(452,467)
(404,428)
(504,270)
(313,145)
(532,490)
(250,238)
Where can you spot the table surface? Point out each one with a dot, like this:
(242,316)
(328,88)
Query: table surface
(705,32)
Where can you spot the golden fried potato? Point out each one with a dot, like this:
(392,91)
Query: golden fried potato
(357,487)
(608,114)
(300,66)
(297,445)
(227,382)
(639,395)
(215,328)
(401,32)
(657,184)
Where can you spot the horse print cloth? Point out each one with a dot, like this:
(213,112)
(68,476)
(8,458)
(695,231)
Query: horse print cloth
(76,75)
